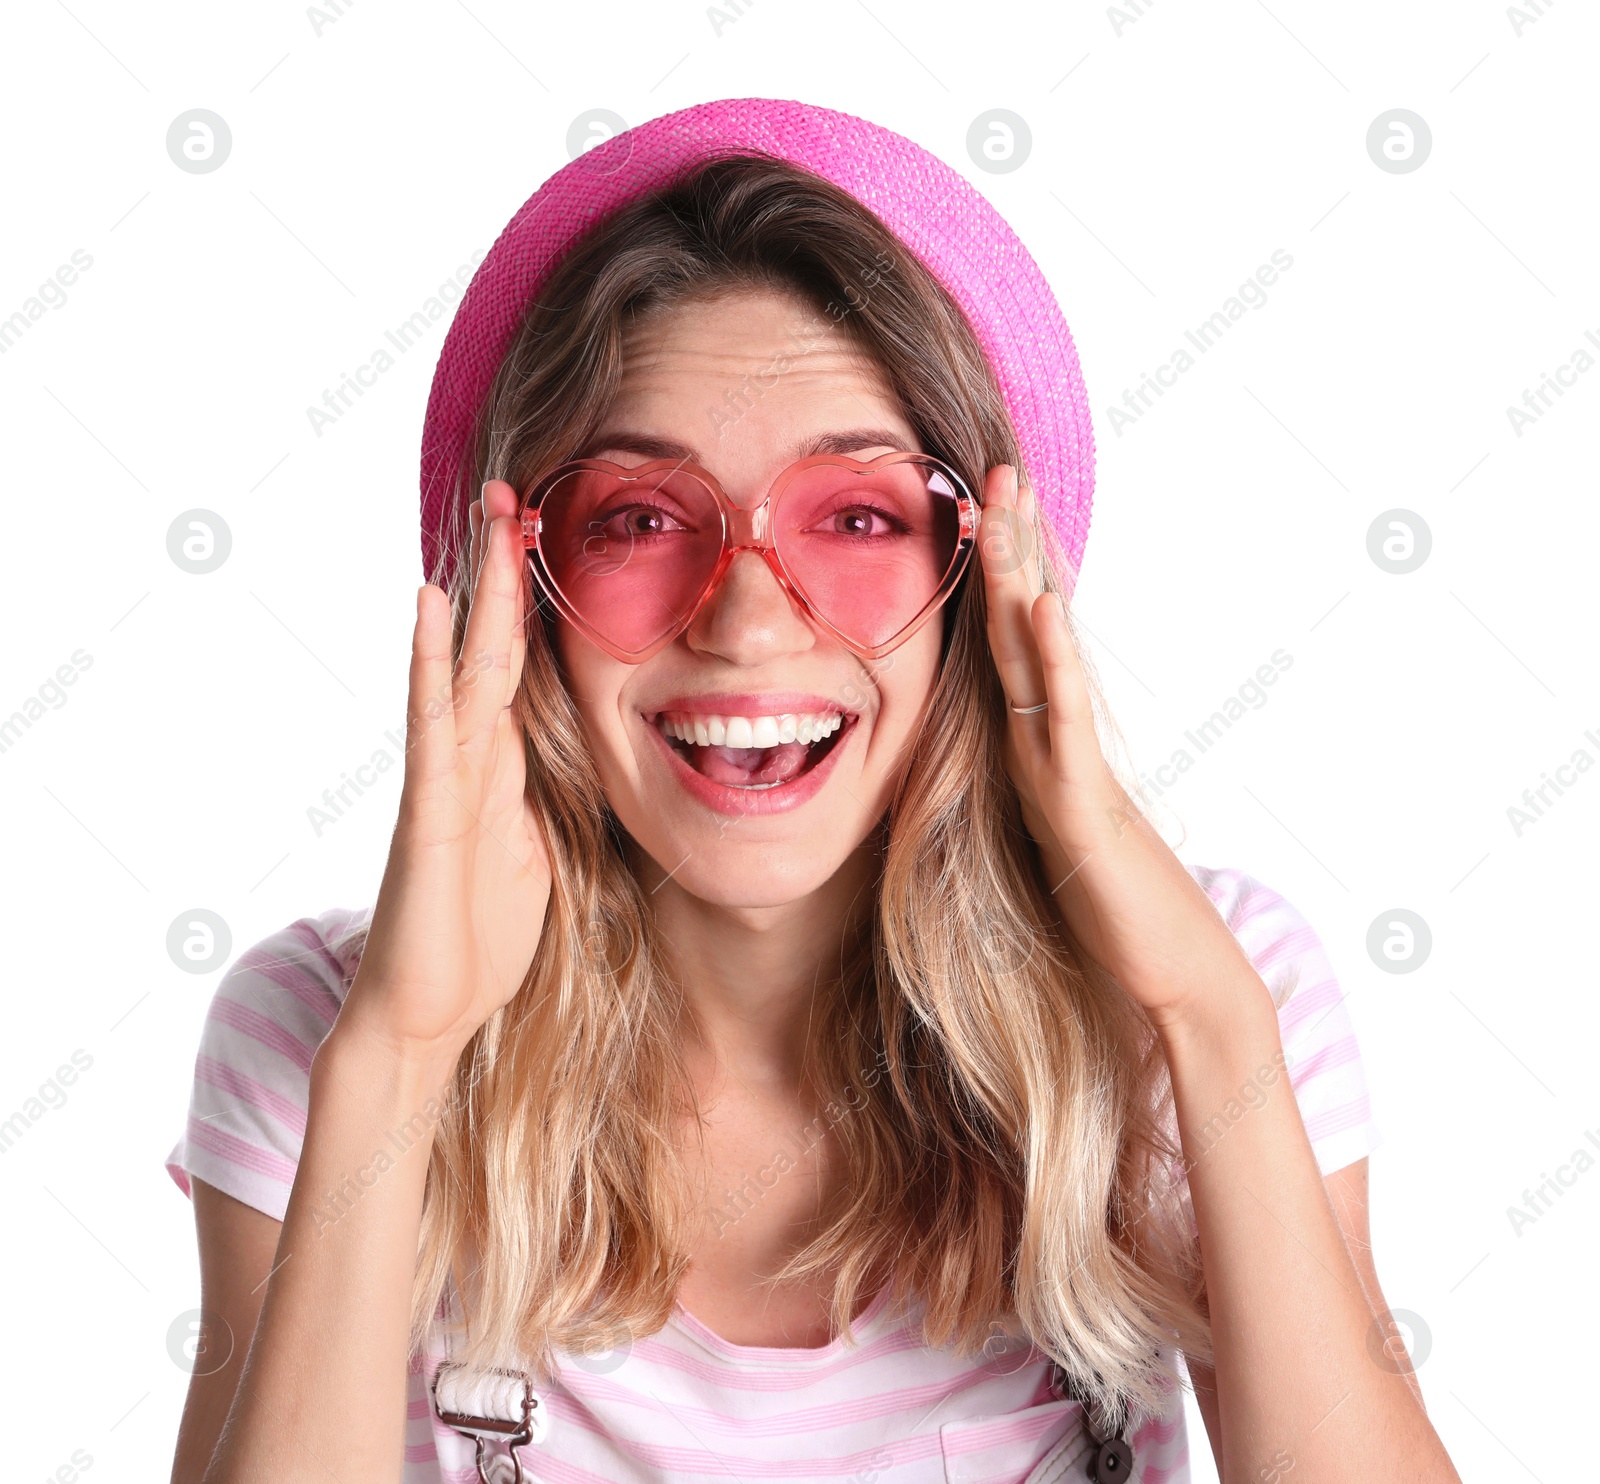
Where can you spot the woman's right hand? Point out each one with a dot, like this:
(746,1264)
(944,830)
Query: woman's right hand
(461,908)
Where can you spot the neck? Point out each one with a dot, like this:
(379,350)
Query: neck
(755,979)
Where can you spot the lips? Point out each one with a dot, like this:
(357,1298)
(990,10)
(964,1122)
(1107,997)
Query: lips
(752,781)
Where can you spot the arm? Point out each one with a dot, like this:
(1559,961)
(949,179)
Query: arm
(459,915)
(1292,1299)
(1347,1192)
(321,1395)
(236,1244)
(1290,1321)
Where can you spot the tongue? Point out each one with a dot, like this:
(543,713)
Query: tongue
(742,766)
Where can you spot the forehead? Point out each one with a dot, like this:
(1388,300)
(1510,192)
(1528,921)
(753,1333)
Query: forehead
(740,376)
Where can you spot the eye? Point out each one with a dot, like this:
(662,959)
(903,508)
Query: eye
(861,522)
(634,523)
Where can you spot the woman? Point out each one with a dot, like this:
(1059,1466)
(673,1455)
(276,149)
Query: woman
(779,1043)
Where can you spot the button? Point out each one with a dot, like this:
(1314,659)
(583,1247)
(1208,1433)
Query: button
(1111,1462)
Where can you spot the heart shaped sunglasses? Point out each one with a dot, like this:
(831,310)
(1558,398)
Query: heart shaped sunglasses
(869,550)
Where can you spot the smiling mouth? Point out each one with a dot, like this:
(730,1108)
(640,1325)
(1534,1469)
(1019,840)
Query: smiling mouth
(724,748)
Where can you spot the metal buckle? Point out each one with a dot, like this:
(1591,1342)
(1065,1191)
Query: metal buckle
(484,1430)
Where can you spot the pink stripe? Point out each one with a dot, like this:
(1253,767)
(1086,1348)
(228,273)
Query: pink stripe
(218,1074)
(731,1378)
(238,1152)
(1178,1470)
(1349,1115)
(1252,905)
(866,1406)
(1159,1430)
(975,1437)
(1292,944)
(1308,1004)
(309,934)
(706,1463)
(290,974)
(261,1028)
(1337,1054)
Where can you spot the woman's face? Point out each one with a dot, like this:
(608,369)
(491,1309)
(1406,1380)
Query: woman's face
(702,378)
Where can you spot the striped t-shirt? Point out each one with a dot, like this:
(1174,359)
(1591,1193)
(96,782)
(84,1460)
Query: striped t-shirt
(684,1404)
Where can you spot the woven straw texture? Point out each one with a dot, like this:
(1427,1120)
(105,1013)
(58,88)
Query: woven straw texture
(934,211)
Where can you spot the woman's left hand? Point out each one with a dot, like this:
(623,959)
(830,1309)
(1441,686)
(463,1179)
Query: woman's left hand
(1125,896)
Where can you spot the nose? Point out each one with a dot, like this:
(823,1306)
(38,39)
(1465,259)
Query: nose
(749,617)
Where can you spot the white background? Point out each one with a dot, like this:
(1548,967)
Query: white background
(1170,155)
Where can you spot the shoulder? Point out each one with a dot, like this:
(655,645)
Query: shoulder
(281,995)
(1277,938)
(1322,1053)
(267,1016)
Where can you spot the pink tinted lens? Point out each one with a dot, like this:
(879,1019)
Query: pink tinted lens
(631,555)
(870,549)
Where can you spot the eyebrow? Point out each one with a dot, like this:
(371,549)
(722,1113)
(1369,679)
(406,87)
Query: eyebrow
(650,446)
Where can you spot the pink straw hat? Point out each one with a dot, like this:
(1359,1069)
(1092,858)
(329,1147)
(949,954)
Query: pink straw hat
(933,210)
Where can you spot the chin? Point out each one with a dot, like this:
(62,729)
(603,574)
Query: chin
(766,867)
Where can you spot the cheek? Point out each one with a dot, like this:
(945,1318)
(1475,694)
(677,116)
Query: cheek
(905,681)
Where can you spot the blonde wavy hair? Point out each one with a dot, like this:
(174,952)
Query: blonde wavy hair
(1005,1145)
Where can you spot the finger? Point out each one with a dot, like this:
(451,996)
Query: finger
(480,679)
(1071,713)
(1008,590)
(475,540)
(500,499)
(430,722)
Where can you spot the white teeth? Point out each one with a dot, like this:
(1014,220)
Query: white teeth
(752,731)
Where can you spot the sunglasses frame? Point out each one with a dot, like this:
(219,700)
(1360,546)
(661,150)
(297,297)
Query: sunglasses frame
(747,528)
